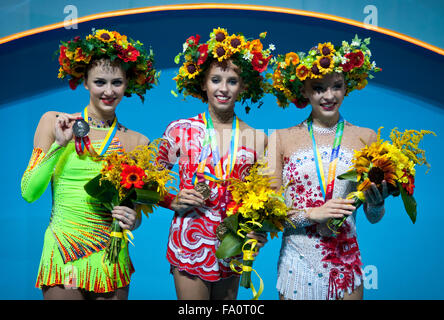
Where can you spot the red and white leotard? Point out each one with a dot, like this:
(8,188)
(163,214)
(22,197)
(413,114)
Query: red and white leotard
(192,239)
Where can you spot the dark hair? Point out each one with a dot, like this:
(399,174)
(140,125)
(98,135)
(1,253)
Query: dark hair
(105,62)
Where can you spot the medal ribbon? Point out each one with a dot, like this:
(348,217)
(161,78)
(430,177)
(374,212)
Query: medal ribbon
(210,145)
(105,143)
(327,188)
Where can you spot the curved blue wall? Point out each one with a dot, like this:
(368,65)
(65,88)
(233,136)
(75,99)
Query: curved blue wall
(407,93)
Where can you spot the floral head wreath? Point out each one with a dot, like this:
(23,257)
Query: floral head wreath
(76,54)
(290,70)
(248,54)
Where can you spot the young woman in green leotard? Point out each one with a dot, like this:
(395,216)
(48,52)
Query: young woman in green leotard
(71,265)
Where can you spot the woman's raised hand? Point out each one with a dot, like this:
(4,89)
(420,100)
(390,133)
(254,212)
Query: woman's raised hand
(63,128)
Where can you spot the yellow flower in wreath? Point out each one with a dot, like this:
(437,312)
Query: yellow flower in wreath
(302,72)
(291,58)
(221,52)
(191,69)
(325,64)
(220,34)
(326,49)
(236,43)
(105,35)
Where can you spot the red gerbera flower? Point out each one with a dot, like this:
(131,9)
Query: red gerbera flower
(260,63)
(132,176)
(203,54)
(130,54)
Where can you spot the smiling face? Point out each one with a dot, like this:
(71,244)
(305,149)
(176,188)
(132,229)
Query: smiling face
(222,85)
(106,83)
(325,95)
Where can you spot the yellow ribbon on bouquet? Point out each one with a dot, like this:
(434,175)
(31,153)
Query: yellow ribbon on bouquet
(248,255)
(357,194)
(125,235)
(245,228)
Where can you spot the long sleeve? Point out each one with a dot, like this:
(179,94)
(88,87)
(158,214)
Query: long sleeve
(39,172)
(374,214)
(168,154)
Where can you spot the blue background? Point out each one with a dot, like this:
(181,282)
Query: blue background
(406,94)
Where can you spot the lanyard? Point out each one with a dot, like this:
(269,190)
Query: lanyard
(210,145)
(327,189)
(109,136)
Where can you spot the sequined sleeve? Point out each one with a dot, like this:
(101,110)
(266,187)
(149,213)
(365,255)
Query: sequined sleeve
(299,219)
(374,214)
(39,172)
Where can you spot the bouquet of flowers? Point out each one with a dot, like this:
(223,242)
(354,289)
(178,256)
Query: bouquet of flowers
(129,179)
(254,207)
(393,162)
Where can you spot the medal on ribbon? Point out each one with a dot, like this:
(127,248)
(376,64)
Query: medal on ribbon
(81,130)
(210,146)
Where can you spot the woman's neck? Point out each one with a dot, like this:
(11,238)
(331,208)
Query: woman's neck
(325,122)
(221,117)
(100,115)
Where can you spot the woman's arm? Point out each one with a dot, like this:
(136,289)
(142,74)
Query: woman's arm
(169,152)
(53,132)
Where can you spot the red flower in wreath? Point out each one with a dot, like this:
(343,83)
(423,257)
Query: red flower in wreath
(259,63)
(129,54)
(300,103)
(203,54)
(73,83)
(132,176)
(357,59)
(193,40)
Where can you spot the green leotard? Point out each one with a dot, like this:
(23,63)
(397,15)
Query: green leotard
(79,227)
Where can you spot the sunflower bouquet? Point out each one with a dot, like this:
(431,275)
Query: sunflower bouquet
(132,179)
(393,162)
(254,207)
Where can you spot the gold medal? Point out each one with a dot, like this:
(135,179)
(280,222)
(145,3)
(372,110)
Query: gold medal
(203,189)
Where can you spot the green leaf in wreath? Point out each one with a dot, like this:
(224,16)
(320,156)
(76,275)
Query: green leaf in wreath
(231,246)
(351,175)
(177,58)
(409,203)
